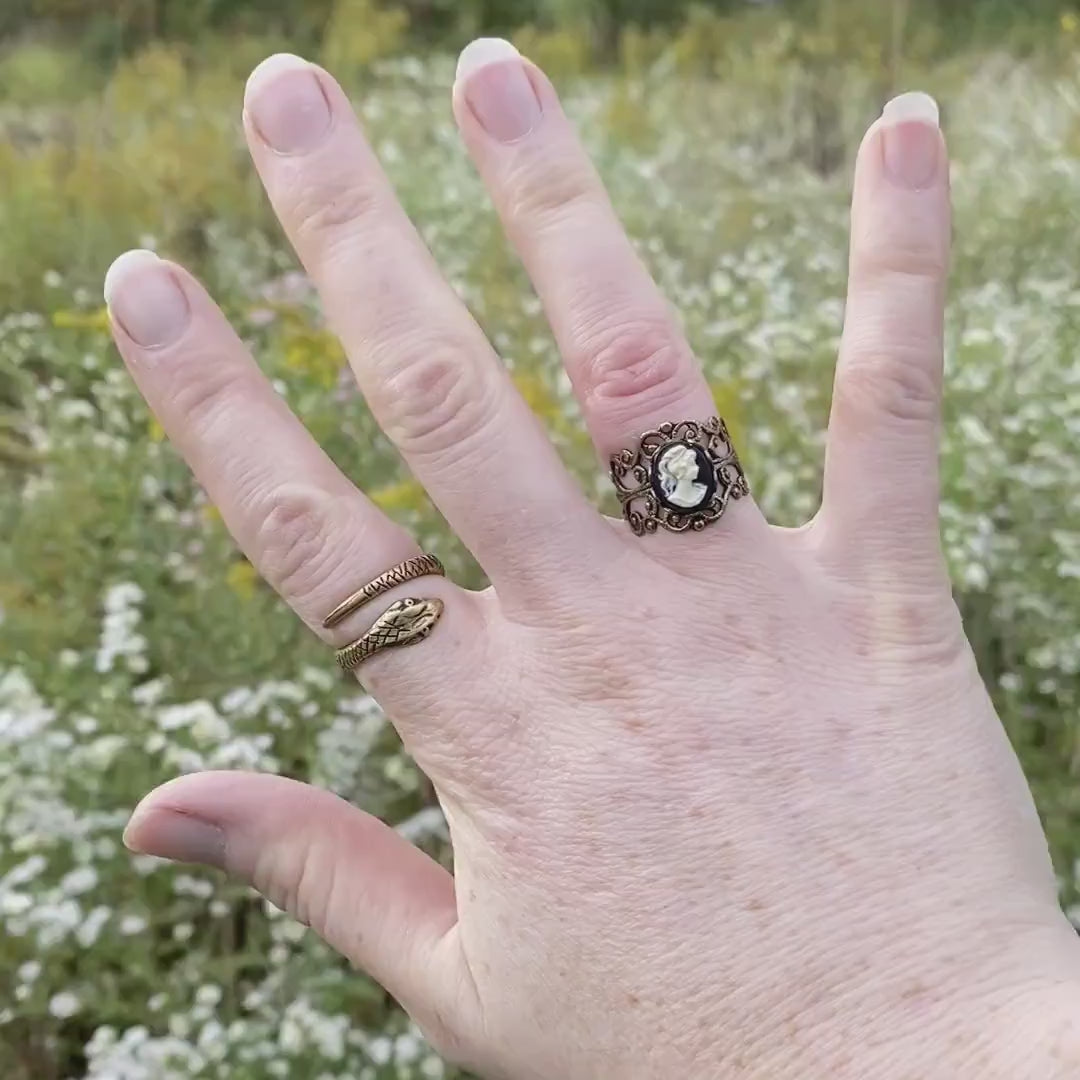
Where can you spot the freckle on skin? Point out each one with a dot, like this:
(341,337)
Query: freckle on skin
(912,618)
(755,904)
(604,681)
(734,633)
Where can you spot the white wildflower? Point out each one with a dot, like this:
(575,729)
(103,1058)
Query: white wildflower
(64,1004)
(208,995)
(187,885)
(78,881)
(76,409)
(29,971)
(119,639)
(433,1069)
(381,1050)
(150,692)
(15,903)
(90,930)
(290,1036)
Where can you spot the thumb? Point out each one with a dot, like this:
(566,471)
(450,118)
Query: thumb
(364,889)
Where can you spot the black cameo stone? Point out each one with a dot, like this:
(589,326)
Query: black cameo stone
(682,477)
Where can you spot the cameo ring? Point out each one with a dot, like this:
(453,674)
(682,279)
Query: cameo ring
(679,476)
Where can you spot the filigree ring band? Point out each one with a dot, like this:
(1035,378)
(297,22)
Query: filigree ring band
(405,622)
(419,566)
(679,476)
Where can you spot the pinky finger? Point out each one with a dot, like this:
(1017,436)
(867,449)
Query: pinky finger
(881,468)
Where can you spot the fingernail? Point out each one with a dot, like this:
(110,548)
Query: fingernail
(287,105)
(912,139)
(493,79)
(145,298)
(179,837)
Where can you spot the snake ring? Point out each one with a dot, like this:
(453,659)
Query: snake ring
(404,622)
(419,566)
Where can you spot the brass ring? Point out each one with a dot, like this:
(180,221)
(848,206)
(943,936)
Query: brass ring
(419,566)
(405,622)
(679,476)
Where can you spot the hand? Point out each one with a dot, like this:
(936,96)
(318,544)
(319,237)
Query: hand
(723,803)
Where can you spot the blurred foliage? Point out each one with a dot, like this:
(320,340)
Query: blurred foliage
(358,33)
(135,642)
(118,26)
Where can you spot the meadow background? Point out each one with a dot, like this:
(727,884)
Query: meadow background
(136,643)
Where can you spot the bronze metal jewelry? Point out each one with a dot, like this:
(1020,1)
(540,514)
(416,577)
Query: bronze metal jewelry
(418,566)
(680,476)
(405,622)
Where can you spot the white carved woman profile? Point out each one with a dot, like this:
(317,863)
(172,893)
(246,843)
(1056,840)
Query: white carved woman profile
(678,470)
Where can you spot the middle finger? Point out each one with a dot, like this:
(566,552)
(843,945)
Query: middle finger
(431,378)
(629,361)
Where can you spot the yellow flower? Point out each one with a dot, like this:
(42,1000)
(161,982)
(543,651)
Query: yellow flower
(537,395)
(728,407)
(241,578)
(297,356)
(155,430)
(211,513)
(316,353)
(65,319)
(406,495)
(1070,22)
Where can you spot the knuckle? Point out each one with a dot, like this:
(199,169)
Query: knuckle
(207,393)
(547,189)
(284,876)
(627,362)
(436,399)
(893,257)
(325,211)
(895,383)
(290,544)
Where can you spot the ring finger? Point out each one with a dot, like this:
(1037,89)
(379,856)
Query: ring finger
(627,358)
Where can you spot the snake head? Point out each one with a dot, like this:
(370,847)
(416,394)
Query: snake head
(413,619)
